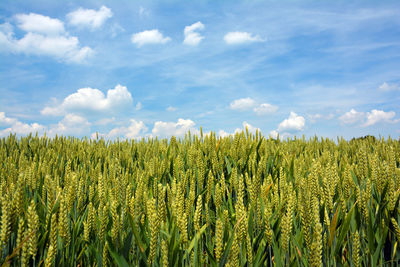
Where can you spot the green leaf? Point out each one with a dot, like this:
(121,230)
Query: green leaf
(127,244)
(355,179)
(332,228)
(139,243)
(196,237)
(228,165)
(228,247)
(370,231)
(119,259)
(260,255)
(343,230)
(381,242)
(277,255)
(211,256)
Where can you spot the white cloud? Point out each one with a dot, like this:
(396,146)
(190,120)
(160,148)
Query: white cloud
(89,18)
(264,109)
(376,116)
(222,133)
(71,124)
(6,33)
(89,99)
(352,117)
(250,128)
(170,108)
(192,37)
(45,36)
(241,37)
(40,24)
(274,134)
(138,106)
(149,37)
(294,123)
(245,124)
(135,130)
(282,136)
(178,128)
(97,135)
(242,104)
(389,87)
(17,127)
(367,119)
(23,128)
(61,47)
(5,120)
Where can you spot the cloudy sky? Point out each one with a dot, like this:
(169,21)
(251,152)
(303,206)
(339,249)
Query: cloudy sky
(133,69)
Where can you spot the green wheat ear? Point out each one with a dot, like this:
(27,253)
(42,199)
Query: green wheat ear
(33,228)
(356,249)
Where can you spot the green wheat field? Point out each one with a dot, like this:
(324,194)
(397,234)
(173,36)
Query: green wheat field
(242,200)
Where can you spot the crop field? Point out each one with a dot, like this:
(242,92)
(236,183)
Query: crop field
(242,200)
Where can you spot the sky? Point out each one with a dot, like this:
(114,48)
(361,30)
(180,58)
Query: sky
(134,69)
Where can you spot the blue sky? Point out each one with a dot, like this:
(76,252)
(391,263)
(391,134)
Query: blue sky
(133,69)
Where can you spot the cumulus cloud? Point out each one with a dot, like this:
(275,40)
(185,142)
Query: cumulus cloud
(71,124)
(15,126)
(389,87)
(89,18)
(376,116)
(149,37)
(294,123)
(241,37)
(44,36)
(243,104)
(367,119)
(352,117)
(135,130)
(89,99)
(179,128)
(192,37)
(5,121)
(6,38)
(39,24)
(264,109)
(61,47)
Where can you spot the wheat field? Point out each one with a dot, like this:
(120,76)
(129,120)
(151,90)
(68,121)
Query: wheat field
(242,200)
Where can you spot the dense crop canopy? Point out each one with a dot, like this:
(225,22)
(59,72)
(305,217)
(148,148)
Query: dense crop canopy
(241,200)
